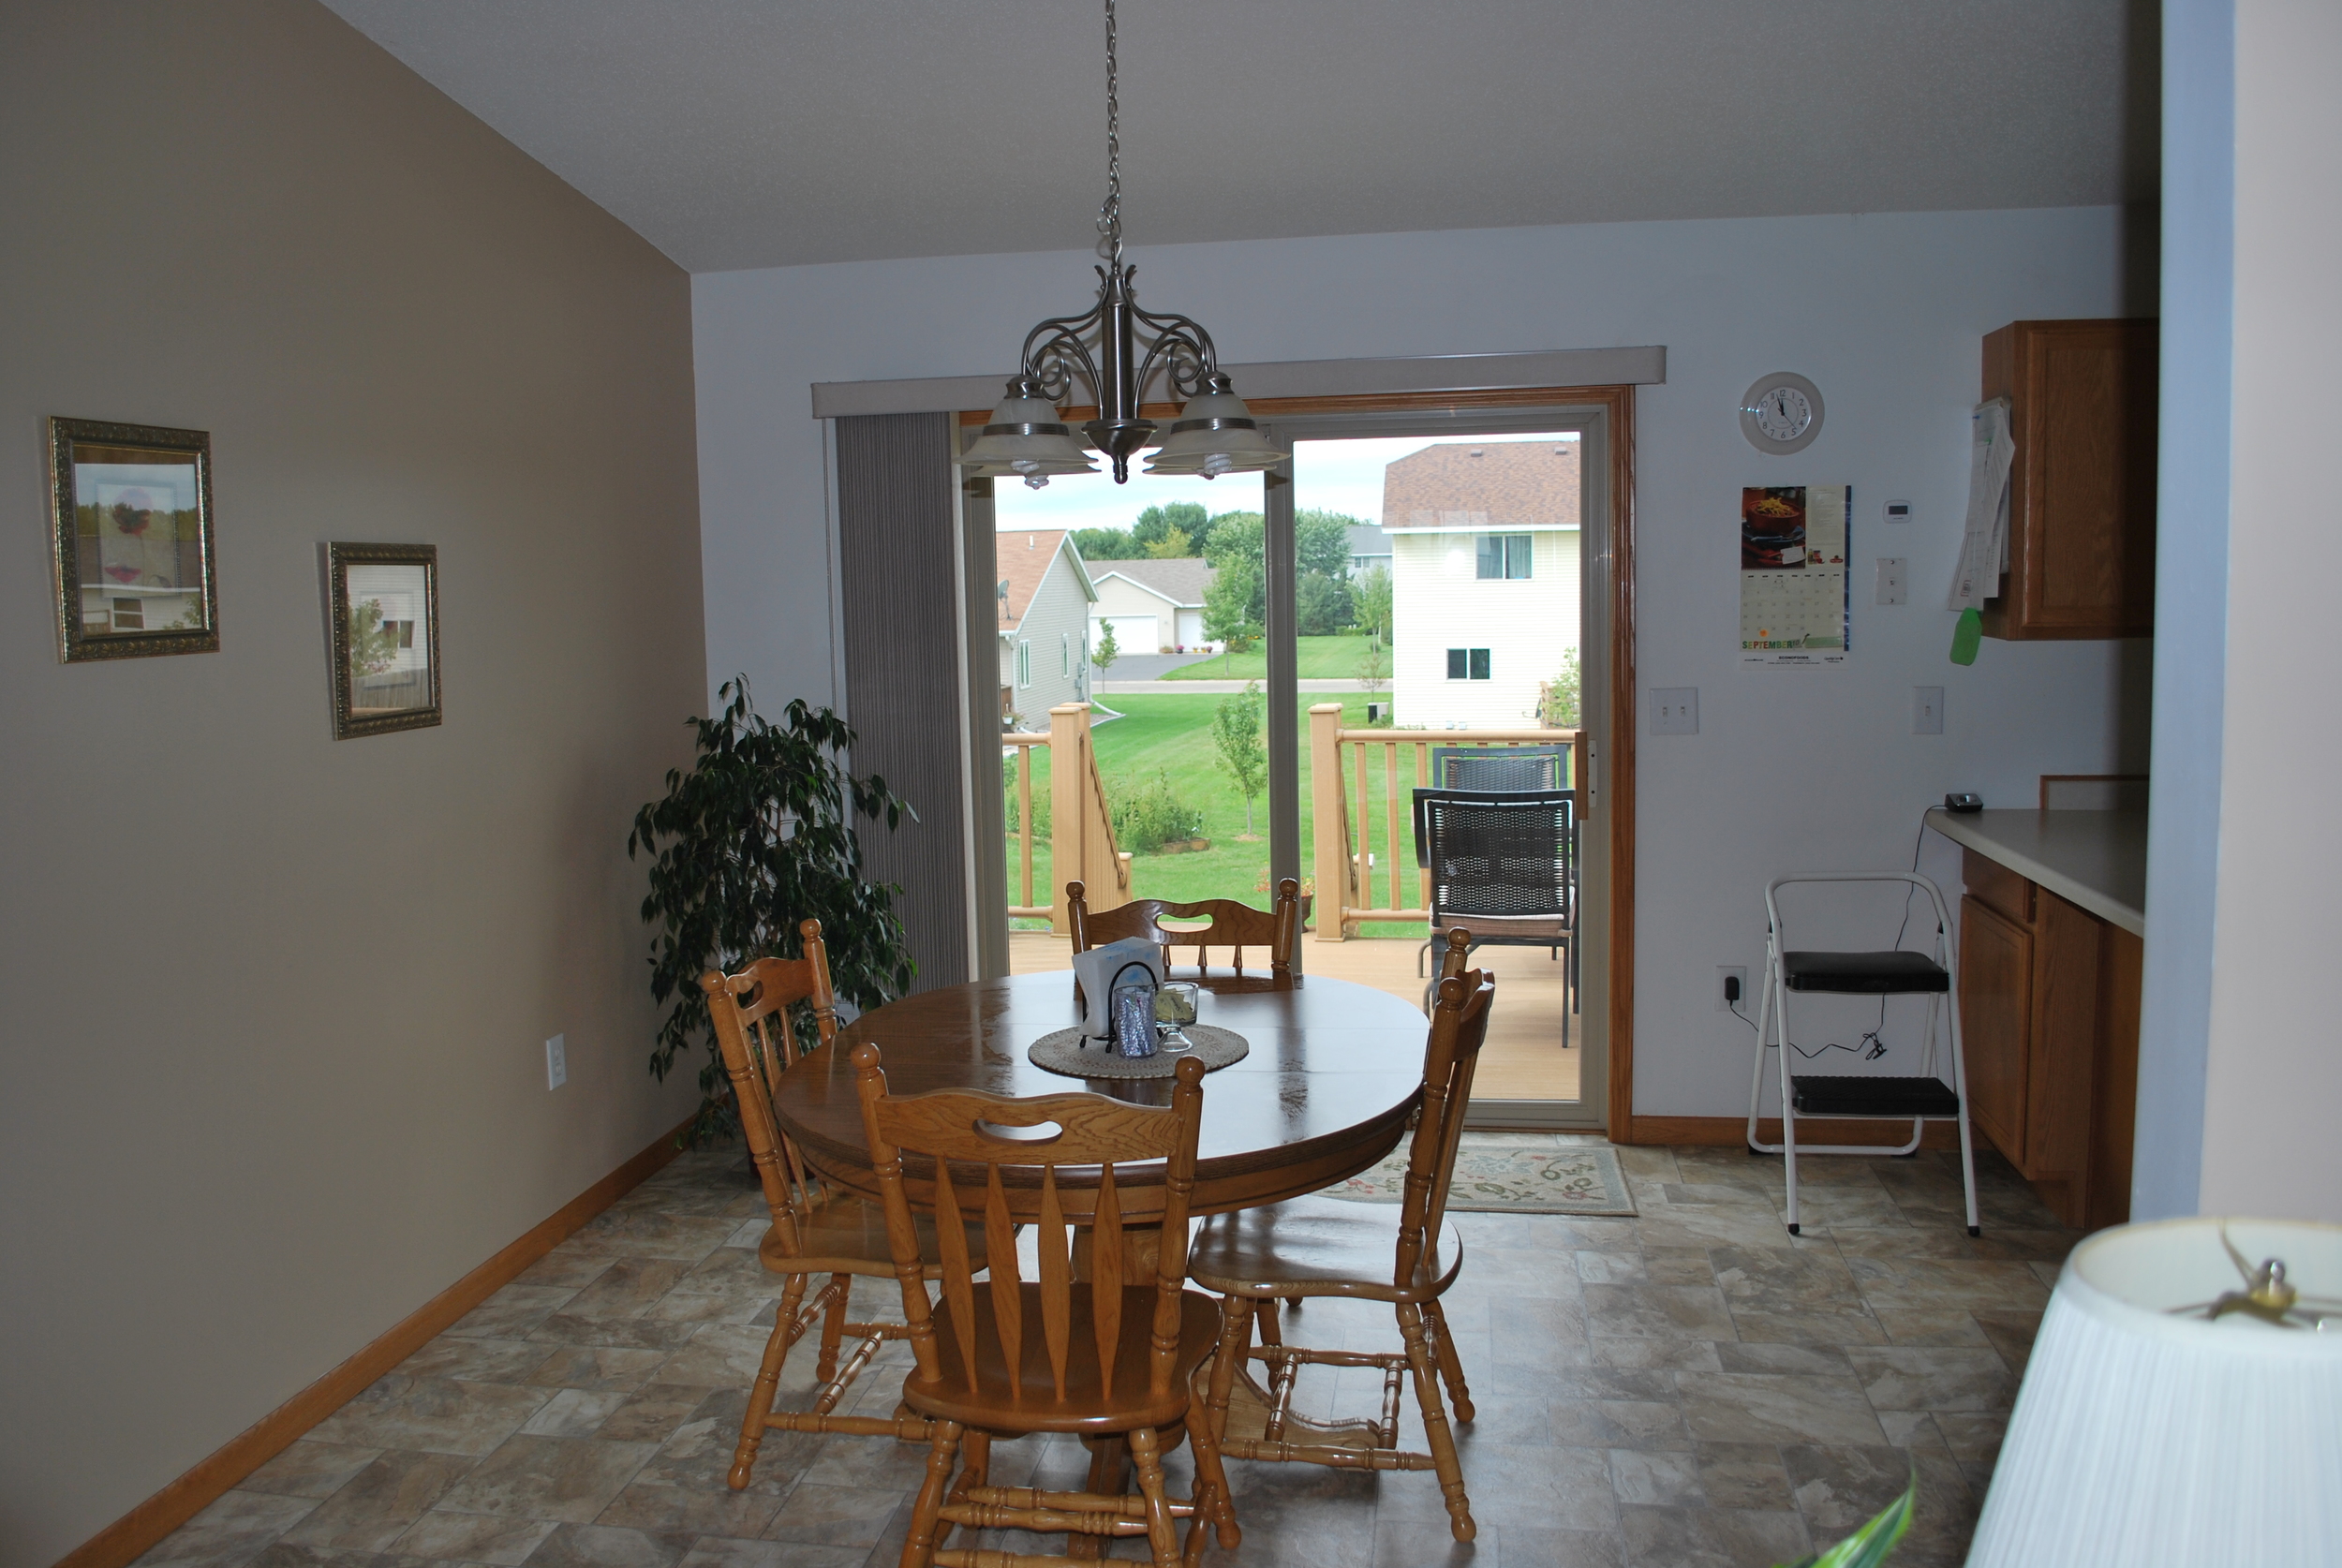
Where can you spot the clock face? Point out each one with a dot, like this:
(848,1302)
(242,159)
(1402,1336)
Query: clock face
(1781,413)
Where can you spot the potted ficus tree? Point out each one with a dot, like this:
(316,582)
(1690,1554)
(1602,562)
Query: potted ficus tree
(757,836)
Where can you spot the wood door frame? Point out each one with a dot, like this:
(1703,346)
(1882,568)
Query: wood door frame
(1617,775)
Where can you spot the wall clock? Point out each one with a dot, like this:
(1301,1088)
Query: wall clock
(1781,413)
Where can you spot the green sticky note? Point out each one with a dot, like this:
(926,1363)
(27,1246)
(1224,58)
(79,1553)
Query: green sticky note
(1967,635)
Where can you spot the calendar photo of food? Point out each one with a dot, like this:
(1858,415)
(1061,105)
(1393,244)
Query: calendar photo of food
(1793,573)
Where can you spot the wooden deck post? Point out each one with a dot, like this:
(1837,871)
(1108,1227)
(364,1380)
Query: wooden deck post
(1329,830)
(1069,776)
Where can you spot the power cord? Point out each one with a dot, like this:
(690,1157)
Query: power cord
(1878,1047)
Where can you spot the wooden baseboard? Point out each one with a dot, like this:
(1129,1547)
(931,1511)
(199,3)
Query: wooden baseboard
(124,1540)
(1731,1132)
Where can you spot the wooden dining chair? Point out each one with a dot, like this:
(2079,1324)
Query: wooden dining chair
(1333,1247)
(1094,1357)
(1230,925)
(817,1230)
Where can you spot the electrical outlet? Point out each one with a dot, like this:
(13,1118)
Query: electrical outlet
(1894,580)
(1727,972)
(1927,710)
(556,1061)
(1675,710)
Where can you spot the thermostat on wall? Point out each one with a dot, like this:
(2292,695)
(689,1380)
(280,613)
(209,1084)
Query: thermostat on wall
(1898,512)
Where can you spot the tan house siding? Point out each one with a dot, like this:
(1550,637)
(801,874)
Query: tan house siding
(1055,601)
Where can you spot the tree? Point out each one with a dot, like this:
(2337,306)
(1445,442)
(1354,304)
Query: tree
(1106,545)
(1236,605)
(1374,667)
(1108,650)
(1562,693)
(1172,546)
(1321,541)
(1321,604)
(1369,592)
(1235,730)
(1156,523)
(373,645)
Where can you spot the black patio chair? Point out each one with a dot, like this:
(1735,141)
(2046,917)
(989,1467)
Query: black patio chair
(1503,870)
(1498,769)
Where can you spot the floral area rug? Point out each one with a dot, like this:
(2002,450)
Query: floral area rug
(1510,1173)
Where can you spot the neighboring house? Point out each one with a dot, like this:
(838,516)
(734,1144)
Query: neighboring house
(1369,547)
(1156,606)
(1045,599)
(1484,578)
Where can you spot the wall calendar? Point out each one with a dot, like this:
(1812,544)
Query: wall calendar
(1793,573)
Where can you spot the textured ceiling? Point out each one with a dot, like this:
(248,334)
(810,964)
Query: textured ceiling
(739,134)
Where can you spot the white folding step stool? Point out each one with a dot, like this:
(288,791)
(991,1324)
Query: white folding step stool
(1890,972)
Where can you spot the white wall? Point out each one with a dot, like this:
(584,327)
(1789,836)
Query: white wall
(1439,601)
(1793,768)
(2273,1088)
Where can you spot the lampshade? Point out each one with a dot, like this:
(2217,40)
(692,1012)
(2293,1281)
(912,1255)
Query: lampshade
(2145,1437)
(1215,435)
(1026,438)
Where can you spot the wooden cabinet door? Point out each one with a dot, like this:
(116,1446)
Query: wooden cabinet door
(2081,495)
(2064,1040)
(1995,1015)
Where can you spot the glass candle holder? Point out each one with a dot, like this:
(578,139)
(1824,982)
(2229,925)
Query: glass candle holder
(1174,1007)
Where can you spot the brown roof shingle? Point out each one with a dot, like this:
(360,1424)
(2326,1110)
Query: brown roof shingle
(1023,561)
(1493,486)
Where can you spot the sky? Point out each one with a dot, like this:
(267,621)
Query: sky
(1333,476)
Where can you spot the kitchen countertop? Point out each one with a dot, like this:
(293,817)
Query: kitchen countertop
(2095,859)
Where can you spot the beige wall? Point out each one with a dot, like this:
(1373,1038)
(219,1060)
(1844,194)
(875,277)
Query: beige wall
(2273,1091)
(272,1006)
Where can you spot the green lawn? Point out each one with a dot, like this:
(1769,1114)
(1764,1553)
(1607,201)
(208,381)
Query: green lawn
(1322,659)
(1172,734)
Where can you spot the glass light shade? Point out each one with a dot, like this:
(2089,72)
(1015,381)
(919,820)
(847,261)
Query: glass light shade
(2145,1437)
(1214,435)
(1026,438)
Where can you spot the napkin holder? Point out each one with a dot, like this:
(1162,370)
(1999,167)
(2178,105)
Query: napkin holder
(1094,973)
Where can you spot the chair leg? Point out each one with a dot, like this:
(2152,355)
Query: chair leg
(1236,1323)
(919,1547)
(834,1328)
(1450,1363)
(1212,1477)
(766,1387)
(1427,1394)
(1264,1312)
(976,1470)
(1163,1537)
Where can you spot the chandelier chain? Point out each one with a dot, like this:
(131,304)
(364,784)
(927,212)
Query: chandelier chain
(1110,214)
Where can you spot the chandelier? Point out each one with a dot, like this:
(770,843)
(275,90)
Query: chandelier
(1116,350)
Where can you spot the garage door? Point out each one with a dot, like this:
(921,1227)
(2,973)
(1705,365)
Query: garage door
(1133,634)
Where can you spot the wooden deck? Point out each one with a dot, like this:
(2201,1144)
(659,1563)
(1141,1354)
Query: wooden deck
(1523,1058)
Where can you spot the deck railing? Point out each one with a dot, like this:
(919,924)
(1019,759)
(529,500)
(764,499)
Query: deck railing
(1353,883)
(1081,829)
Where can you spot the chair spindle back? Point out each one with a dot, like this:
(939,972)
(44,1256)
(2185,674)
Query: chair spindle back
(1459,1026)
(1234,925)
(954,1129)
(750,1013)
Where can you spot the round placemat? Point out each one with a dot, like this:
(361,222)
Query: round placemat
(1064,1051)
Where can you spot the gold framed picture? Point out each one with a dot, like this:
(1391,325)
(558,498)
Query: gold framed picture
(382,603)
(131,552)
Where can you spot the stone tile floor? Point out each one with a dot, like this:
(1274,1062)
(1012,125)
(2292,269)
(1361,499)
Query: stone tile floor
(1694,1386)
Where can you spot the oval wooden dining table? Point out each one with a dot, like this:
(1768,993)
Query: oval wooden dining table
(1332,1076)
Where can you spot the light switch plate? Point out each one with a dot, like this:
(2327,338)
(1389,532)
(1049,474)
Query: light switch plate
(556,1061)
(1675,710)
(1894,580)
(1927,710)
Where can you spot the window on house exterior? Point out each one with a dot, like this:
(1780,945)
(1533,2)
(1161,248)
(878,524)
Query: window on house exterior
(1504,556)
(1467,664)
(1024,665)
(130,614)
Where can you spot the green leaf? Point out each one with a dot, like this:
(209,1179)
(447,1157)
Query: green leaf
(1868,1547)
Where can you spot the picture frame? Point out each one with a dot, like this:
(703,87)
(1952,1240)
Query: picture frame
(132,554)
(383,615)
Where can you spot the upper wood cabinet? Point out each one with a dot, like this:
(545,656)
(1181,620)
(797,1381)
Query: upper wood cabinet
(2081,398)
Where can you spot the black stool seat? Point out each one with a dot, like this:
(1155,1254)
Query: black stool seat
(1847,1096)
(1891,973)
